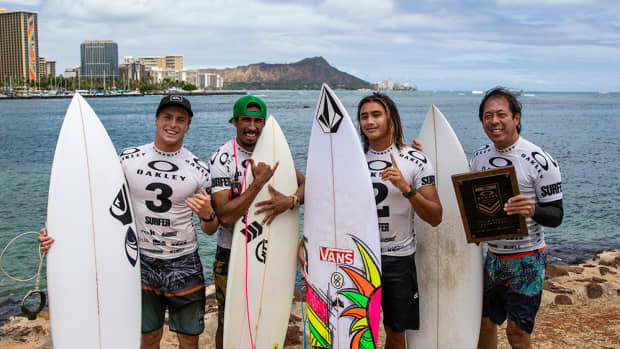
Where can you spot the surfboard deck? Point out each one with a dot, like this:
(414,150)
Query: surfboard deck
(271,256)
(341,233)
(449,269)
(93,269)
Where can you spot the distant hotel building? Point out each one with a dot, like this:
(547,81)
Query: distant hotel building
(211,80)
(160,68)
(19,46)
(390,85)
(46,67)
(71,72)
(160,62)
(99,59)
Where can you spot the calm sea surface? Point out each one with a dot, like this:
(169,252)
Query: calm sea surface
(581,130)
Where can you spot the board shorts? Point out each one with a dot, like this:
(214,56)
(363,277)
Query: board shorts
(177,284)
(220,274)
(400,299)
(513,287)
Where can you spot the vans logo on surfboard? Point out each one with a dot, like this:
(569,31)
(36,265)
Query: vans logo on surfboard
(329,115)
(336,255)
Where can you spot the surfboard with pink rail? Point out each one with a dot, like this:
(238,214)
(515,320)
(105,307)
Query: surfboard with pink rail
(263,259)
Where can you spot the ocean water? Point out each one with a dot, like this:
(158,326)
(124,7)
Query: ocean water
(580,130)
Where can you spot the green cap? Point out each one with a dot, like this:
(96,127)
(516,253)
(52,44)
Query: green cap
(241,107)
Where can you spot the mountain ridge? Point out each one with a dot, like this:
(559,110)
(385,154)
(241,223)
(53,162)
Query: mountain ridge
(308,73)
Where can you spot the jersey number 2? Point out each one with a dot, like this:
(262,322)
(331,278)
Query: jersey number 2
(382,193)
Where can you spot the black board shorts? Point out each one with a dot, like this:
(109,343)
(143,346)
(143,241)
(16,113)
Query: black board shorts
(400,299)
(177,285)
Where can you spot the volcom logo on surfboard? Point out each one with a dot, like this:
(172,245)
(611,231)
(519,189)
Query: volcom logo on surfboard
(329,115)
(120,207)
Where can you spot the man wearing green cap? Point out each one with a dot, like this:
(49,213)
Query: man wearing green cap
(228,165)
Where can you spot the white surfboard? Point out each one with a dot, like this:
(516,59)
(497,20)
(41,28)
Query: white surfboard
(449,270)
(259,293)
(93,269)
(341,234)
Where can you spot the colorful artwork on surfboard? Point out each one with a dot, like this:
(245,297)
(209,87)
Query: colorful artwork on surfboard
(364,308)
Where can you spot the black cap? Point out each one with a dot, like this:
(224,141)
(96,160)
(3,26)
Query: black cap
(177,100)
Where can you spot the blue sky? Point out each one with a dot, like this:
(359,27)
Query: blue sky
(534,45)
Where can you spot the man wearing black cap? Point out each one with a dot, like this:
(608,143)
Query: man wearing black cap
(228,165)
(166,183)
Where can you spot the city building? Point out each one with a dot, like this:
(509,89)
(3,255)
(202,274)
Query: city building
(174,62)
(160,62)
(71,72)
(211,80)
(132,70)
(397,86)
(46,67)
(19,46)
(99,59)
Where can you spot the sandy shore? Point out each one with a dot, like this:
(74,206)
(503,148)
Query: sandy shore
(581,309)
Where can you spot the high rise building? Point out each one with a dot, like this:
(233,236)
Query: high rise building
(211,80)
(162,62)
(99,59)
(19,45)
(46,67)
(174,62)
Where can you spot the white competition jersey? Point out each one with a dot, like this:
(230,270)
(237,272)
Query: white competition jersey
(394,211)
(538,176)
(226,168)
(159,183)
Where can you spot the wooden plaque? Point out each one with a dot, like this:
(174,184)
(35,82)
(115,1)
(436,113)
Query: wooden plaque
(481,196)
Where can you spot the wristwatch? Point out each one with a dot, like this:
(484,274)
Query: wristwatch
(210,219)
(411,192)
(295,202)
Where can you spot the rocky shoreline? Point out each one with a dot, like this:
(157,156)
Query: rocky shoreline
(581,309)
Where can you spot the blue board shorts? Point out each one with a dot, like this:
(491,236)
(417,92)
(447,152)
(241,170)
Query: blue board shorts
(178,285)
(400,299)
(513,287)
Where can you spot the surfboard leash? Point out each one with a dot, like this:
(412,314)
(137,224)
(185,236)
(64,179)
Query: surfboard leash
(303,314)
(29,313)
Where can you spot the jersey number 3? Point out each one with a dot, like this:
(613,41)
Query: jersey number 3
(165,192)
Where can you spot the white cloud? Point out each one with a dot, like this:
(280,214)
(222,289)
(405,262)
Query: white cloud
(545,2)
(374,40)
(21,3)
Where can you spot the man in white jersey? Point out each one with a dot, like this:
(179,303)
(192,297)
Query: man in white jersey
(166,183)
(228,166)
(515,268)
(404,183)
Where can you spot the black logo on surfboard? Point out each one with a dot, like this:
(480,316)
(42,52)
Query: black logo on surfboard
(329,115)
(131,246)
(120,207)
(261,251)
(253,231)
